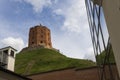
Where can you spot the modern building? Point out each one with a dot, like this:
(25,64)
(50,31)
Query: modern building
(7,58)
(105,14)
(40,36)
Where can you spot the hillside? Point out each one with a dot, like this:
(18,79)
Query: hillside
(42,60)
(101,57)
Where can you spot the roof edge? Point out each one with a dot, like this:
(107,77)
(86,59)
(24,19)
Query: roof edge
(9,47)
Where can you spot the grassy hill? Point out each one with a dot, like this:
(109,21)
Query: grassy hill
(110,59)
(42,60)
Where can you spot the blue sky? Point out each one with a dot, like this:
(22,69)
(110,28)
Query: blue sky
(67,20)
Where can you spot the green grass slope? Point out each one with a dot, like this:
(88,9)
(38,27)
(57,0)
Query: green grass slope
(110,59)
(42,60)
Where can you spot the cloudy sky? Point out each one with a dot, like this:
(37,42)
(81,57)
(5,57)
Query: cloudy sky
(67,20)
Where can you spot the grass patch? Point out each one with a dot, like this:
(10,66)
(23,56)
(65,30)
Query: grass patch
(42,60)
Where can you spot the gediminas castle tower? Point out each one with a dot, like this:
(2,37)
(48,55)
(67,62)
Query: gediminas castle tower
(40,36)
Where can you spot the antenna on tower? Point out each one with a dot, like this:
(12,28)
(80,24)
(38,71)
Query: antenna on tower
(40,24)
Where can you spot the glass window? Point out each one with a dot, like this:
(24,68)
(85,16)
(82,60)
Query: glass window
(5,51)
(12,53)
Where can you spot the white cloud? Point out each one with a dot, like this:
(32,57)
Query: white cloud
(17,0)
(75,46)
(55,1)
(16,43)
(58,12)
(89,54)
(68,46)
(38,5)
(77,43)
(75,16)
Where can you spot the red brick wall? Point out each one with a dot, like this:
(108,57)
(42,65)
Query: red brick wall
(40,36)
(74,74)
(87,74)
(68,74)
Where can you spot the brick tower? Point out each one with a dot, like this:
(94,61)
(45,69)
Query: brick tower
(40,36)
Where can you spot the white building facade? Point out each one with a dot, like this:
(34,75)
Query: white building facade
(7,58)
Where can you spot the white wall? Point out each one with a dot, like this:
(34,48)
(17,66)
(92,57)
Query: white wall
(10,60)
(112,15)
(11,63)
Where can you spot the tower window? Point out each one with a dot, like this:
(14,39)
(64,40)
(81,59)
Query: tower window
(33,32)
(48,39)
(12,53)
(32,42)
(49,44)
(41,36)
(48,34)
(41,31)
(32,37)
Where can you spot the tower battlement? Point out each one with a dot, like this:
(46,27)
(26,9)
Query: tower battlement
(39,36)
